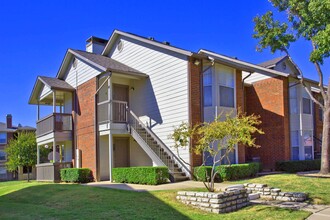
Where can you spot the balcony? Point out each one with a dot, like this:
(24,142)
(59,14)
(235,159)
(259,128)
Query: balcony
(118,112)
(56,122)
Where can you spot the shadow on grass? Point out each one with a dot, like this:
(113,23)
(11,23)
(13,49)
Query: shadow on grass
(71,201)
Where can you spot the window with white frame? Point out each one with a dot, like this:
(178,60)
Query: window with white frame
(2,155)
(306,103)
(226,85)
(295,145)
(207,88)
(308,145)
(293,99)
(3,138)
(3,173)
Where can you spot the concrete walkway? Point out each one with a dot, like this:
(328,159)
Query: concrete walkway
(143,188)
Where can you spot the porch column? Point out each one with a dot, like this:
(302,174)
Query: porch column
(38,153)
(110,100)
(54,151)
(54,101)
(110,156)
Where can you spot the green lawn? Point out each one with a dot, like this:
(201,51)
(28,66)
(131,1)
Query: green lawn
(318,189)
(22,200)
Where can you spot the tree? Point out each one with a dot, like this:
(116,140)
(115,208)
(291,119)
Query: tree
(22,151)
(217,137)
(309,20)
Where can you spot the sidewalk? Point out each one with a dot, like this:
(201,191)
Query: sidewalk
(142,188)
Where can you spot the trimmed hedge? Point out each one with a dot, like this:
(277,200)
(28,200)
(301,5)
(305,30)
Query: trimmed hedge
(227,172)
(141,175)
(76,175)
(238,171)
(298,165)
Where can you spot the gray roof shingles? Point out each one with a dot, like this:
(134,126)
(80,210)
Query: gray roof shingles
(108,63)
(272,62)
(55,83)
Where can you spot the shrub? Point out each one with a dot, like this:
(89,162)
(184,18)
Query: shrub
(227,172)
(141,175)
(238,171)
(76,175)
(297,166)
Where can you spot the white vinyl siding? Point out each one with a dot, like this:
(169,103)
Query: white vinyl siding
(161,101)
(81,74)
(45,91)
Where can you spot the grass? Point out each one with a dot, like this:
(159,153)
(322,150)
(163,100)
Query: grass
(317,189)
(22,200)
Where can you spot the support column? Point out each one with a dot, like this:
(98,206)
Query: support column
(38,153)
(54,101)
(110,156)
(54,151)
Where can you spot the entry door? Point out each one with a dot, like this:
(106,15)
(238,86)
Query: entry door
(119,103)
(121,152)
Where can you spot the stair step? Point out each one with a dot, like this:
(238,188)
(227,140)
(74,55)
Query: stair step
(181,178)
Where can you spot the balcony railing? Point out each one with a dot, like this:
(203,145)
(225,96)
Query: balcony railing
(54,122)
(118,112)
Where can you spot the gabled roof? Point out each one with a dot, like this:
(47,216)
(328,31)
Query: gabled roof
(106,63)
(55,83)
(150,41)
(242,65)
(52,83)
(273,62)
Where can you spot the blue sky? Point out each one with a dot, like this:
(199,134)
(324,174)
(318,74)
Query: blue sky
(36,34)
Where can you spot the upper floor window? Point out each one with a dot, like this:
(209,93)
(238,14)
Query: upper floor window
(226,82)
(207,88)
(293,99)
(306,103)
(2,155)
(3,138)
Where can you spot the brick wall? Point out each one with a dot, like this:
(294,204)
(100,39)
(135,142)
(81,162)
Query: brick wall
(195,103)
(240,105)
(84,123)
(269,98)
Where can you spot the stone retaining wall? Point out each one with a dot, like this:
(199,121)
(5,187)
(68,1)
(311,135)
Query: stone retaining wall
(221,202)
(274,193)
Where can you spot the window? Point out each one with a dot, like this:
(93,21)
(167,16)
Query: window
(306,106)
(231,157)
(3,138)
(308,145)
(207,88)
(295,145)
(3,173)
(2,155)
(293,100)
(226,81)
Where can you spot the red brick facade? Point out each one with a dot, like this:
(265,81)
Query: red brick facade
(269,99)
(195,104)
(85,124)
(240,105)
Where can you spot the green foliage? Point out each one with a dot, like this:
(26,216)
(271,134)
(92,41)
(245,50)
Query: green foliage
(227,172)
(298,166)
(238,171)
(22,151)
(76,175)
(305,19)
(222,134)
(141,175)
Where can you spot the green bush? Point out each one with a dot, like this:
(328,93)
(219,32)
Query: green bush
(298,165)
(238,171)
(141,175)
(76,175)
(227,172)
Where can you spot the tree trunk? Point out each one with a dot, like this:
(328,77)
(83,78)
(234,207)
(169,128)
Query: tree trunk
(325,138)
(28,169)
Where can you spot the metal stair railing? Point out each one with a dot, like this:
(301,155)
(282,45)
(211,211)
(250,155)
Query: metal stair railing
(162,151)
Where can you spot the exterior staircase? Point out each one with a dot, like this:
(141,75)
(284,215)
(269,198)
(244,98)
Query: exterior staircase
(156,149)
